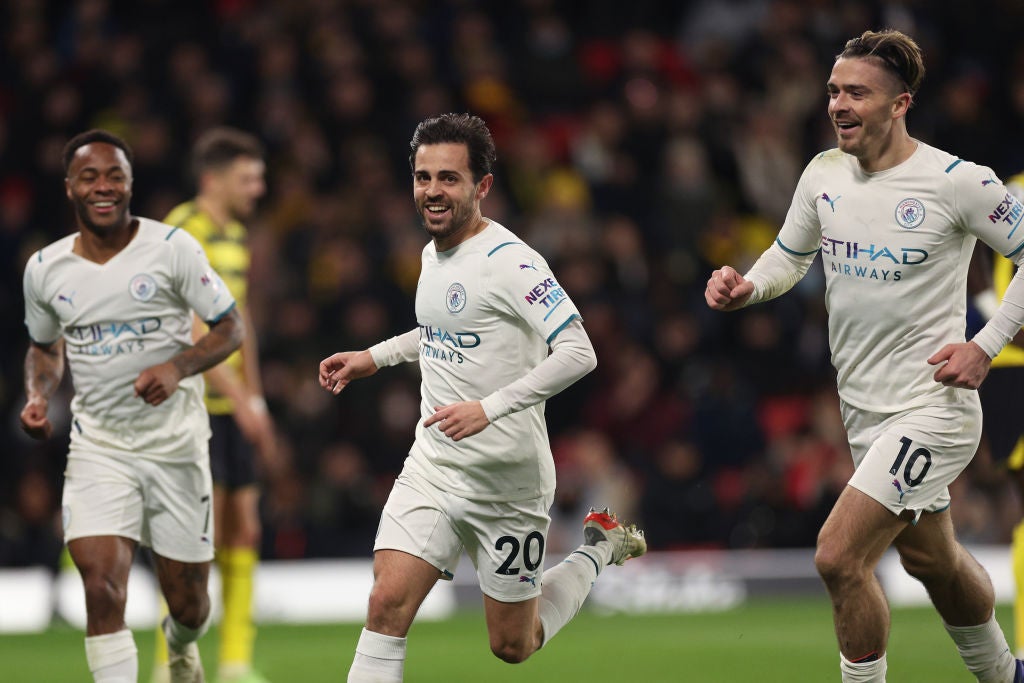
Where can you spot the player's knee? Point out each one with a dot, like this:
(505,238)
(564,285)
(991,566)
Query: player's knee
(190,611)
(389,611)
(833,563)
(511,651)
(384,600)
(104,595)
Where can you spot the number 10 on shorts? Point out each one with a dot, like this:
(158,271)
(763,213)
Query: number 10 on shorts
(908,477)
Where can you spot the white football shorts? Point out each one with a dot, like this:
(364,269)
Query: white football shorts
(164,505)
(505,541)
(907,460)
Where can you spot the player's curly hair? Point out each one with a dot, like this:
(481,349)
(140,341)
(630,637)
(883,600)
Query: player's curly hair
(895,50)
(91,136)
(458,128)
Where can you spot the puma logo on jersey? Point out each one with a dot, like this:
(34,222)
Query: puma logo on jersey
(67,299)
(831,202)
(899,488)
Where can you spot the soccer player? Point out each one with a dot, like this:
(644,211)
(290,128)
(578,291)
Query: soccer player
(1000,394)
(895,222)
(497,336)
(229,170)
(117,298)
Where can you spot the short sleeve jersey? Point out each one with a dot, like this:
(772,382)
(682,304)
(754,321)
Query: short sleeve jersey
(118,318)
(895,246)
(228,252)
(487,311)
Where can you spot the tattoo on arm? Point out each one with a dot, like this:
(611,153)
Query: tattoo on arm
(224,337)
(44,368)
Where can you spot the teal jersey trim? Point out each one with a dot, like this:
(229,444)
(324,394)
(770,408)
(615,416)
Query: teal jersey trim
(503,244)
(795,253)
(221,316)
(562,326)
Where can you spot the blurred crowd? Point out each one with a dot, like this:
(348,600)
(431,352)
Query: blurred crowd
(639,146)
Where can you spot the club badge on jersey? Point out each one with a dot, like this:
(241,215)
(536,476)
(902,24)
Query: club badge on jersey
(456,298)
(910,213)
(143,287)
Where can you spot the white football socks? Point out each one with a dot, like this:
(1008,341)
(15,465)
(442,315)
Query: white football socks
(112,657)
(863,672)
(379,659)
(985,651)
(566,585)
(179,636)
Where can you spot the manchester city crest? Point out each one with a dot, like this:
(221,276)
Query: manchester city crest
(143,287)
(456,298)
(910,213)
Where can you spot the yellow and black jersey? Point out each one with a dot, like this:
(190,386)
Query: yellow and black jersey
(227,250)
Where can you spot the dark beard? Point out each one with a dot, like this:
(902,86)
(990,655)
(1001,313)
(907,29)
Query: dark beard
(457,223)
(82,212)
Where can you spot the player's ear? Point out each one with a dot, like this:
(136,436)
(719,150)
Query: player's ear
(67,188)
(484,186)
(901,105)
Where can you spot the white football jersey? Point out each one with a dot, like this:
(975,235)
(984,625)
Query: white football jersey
(487,310)
(895,246)
(118,318)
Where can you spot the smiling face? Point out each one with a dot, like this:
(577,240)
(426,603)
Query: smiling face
(867,104)
(446,197)
(99,186)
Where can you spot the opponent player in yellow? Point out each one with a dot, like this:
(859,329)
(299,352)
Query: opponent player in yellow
(229,170)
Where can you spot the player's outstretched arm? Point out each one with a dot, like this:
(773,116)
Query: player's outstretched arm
(44,368)
(341,368)
(727,290)
(155,384)
(338,370)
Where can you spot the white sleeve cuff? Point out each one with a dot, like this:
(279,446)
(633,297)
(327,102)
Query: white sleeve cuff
(403,348)
(495,407)
(776,272)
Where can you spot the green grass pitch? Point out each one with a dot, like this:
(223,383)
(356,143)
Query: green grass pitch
(761,642)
